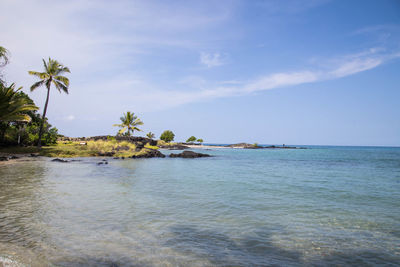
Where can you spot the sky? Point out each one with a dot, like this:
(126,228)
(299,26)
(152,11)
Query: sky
(314,72)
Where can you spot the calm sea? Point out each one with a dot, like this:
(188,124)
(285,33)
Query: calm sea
(318,206)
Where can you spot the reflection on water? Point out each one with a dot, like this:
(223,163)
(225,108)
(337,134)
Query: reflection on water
(241,208)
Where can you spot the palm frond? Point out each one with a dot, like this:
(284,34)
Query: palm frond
(62,79)
(60,86)
(37,84)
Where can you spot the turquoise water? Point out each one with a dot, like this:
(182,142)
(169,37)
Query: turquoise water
(318,206)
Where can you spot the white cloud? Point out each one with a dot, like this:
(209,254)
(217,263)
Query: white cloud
(212,59)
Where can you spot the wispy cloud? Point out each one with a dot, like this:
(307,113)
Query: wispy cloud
(344,66)
(212,59)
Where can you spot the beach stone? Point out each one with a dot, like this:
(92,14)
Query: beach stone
(188,155)
(3,159)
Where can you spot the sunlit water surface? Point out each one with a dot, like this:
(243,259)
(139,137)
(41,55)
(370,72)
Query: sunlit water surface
(318,206)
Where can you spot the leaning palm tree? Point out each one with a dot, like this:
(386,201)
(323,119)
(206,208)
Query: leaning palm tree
(52,74)
(129,123)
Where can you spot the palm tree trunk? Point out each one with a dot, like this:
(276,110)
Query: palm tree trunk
(43,118)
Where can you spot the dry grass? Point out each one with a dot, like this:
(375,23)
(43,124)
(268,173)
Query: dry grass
(75,149)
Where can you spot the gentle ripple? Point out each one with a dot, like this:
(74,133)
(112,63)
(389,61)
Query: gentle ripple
(319,206)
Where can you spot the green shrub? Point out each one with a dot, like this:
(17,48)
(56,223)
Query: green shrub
(167,136)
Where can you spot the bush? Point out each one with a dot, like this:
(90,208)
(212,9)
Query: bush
(167,136)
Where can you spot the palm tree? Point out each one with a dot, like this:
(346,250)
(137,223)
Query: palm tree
(129,123)
(3,56)
(52,74)
(150,135)
(3,60)
(13,107)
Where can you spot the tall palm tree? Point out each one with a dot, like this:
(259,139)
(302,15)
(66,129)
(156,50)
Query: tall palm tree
(52,74)
(129,123)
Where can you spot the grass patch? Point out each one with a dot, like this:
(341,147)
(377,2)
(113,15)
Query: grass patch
(74,149)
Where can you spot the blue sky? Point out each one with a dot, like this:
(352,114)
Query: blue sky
(293,72)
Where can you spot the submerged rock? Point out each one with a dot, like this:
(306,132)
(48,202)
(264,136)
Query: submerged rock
(149,153)
(102,162)
(189,155)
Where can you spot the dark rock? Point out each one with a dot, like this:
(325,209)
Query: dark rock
(60,160)
(13,157)
(189,155)
(34,155)
(149,153)
(102,162)
(116,158)
(3,158)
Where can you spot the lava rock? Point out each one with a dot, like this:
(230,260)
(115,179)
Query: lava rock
(150,153)
(189,155)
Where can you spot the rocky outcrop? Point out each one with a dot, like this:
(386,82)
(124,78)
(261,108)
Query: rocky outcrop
(149,153)
(189,155)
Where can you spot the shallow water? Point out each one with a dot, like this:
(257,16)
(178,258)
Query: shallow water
(318,206)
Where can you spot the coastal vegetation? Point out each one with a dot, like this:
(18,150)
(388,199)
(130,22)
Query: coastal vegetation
(129,123)
(19,122)
(167,136)
(52,74)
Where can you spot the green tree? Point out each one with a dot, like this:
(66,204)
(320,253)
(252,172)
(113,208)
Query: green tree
(129,124)
(191,139)
(200,140)
(167,136)
(150,135)
(52,74)
(13,107)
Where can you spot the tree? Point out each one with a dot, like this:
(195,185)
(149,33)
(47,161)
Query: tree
(129,123)
(167,136)
(150,135)
(52,74)
(13,107)
(200,140)
(191,139)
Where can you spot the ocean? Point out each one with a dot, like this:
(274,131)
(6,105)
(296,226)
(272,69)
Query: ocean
(321,206)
